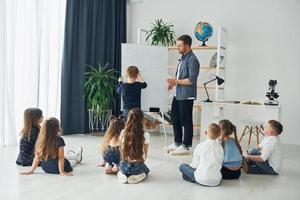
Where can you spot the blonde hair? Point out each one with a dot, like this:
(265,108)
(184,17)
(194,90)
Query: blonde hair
(116,125)
(31,119)
(214,131)
(133,139)
(132,71)
(47,143)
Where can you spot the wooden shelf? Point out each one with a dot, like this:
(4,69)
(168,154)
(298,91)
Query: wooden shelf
(195,106)
(195,126)
(210,87)
(211,47)
(204,67)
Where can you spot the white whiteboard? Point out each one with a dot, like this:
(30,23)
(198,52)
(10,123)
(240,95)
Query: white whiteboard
(152,61)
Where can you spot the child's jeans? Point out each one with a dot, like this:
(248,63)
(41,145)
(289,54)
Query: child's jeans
(187,173)
(112,155)
(133,168)
(259,167)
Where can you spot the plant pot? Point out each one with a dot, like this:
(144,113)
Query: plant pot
(98,120)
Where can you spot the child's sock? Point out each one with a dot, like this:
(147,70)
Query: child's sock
(115,168)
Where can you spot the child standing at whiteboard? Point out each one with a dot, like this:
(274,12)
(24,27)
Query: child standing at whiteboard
(131,90)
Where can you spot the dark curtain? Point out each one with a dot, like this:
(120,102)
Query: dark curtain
(94,31)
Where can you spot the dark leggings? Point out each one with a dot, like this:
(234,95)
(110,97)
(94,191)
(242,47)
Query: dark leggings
(51,166)
(230,174)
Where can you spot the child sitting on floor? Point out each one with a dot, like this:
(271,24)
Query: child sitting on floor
(267,158)
(50,151)
(233,159)
(33,117)
(133,149)
(206,165)
(110,147)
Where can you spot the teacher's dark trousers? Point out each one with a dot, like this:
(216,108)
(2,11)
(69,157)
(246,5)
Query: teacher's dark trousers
(182,116)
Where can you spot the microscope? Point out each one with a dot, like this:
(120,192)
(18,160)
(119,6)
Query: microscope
(271,94)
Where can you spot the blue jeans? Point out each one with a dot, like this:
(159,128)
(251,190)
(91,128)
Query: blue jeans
(125,113)
(255,167)
(112,155)
(187,173)
(133,168)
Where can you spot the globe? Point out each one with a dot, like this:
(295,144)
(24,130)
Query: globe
(203,31)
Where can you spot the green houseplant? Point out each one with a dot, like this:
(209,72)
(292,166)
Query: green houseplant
(100,84)
(161,33)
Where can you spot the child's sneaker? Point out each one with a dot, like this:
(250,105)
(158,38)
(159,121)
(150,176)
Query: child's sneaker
(136,178)
(79,153)
(181,150)
(122,177)
(171,147)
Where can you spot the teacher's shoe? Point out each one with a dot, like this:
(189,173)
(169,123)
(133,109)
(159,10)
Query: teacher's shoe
(171,147)
(181,150)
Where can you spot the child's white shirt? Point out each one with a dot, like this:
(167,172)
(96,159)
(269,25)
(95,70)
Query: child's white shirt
(207,160)
(271,151)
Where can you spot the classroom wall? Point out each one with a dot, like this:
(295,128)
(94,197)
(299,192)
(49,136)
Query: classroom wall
(264,43)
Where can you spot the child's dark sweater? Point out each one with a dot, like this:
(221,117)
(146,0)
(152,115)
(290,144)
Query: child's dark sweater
(131,94)
(26,154)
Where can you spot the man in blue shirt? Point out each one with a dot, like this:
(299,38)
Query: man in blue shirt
(185,82)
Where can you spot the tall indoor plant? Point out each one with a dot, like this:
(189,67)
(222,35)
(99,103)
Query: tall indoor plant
(161,33)
(100,83)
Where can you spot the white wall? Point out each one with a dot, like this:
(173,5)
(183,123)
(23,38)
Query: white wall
(264,43)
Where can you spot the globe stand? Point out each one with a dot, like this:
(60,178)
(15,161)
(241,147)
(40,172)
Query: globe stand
(203,44)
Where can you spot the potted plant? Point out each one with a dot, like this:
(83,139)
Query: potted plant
(161,33)
(100,84)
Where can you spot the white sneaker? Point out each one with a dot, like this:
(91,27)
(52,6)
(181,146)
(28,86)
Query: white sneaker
(122,177)
(171,147)
(79,153)
(136,178)
(181,150)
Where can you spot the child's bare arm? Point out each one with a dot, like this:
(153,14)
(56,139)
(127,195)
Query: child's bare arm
(34,165)
(140,78)
(256,158)
(146,147)
(61,162)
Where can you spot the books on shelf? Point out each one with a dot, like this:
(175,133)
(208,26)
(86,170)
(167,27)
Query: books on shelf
(251,102)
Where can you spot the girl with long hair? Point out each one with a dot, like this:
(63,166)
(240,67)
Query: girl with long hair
(29,134)
(110,147)
(233,159)
(49,151)
(133,149)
